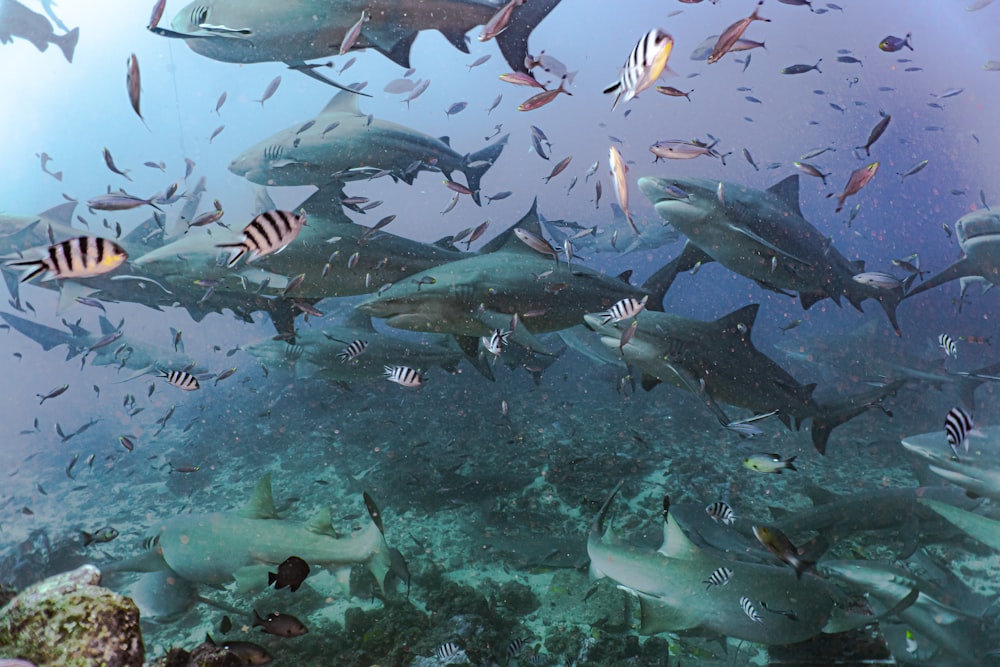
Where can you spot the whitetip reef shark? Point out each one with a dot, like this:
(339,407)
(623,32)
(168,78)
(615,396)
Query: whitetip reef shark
(221,547)
(670,585)
(253,31)
(761,234)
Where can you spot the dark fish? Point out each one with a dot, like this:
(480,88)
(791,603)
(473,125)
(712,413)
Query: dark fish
(134,85)
(749,159)
(267,233)
(247,652)
(802,69)
(455,108)
(101,535)
(876,132)
(498,196)
(733,33)
(481,59)
(291,573)
(80,257)
(126,442)
(71,464)
(850,60)
(892,44)
(110,161)
(226,625)
(778,544)
(280,625)
(269,91)
(496,103)
(220,102)
(670,91)
(58,391)
(558,169)
(181,379)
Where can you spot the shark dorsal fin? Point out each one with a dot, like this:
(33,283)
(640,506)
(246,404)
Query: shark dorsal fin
(745,316)
(788,192)
(61,214)
(675,543)
(446,140)
(261,504)
(322,523)
(106,326)
(625,276)
(508,241)
(358,320)
(343,102)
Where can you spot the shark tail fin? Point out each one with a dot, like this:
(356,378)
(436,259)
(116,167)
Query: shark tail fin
(659,283)
(67,42)
(513,41)
(380,560)
(487,155)
(833,415)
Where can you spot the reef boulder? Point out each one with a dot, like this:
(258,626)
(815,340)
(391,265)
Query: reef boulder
(69,620)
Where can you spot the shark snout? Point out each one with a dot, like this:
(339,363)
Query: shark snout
(660,189)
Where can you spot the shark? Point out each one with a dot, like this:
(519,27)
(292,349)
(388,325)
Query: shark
(673,597)
(314,354)
(357,147)
(720,360)
(253,31)
(978,236)
(471,297)
(762,234)
(977,472)
(872,354)
(16,20)
(617,237)
(219,548)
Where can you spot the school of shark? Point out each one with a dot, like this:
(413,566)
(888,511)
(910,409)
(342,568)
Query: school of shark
(357,382)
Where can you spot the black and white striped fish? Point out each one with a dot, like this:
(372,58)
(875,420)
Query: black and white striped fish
(747,605)
(624,309)
(718,578)
(79,257)
(947,343)
(497,341)
(515,647)
(721,512)
(267,233)
(181,379)
(644,66)
(353,351)
(447,651)
(403,375)
(957,425)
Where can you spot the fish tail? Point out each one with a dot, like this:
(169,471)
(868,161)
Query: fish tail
(513,41)
(241,249)
(488,155)
(67,42)
(39,268)
(87,538)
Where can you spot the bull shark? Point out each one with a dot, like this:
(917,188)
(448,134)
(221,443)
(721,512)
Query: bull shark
(670,585)
(471,297)
(720,360)
(314,354)
(356,148)
(761,234)
(221,547)
(618,237)
(977,472)
(253,31)
(16,20)
(868,353)
(978,235)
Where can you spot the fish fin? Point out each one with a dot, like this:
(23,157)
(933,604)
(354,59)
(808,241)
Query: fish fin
(675,543)
(507,240)
(658,617)
(251,577)
(69,290)
(513,41)
(261,503)
(960,269)
(740,229)
(343,102)
(457,39)
(787,190)
(321,523)
(470,346)
(746,316)
(312,73)
(400,51)
(61,214)
(890,300)
(67,42)
(357,320)
(47,337)
(809,299)
(649,381)
(446,140)
(659,283)
(489,155)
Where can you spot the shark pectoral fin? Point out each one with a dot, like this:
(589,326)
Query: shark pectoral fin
(658,617)
(767,244)
(649,381)
(68,292)
(809,299)
(251,578)
(675,543)
(513,41)
(960,269)
(400,51)
(311,72)
(470,346)
(843,621)
(978,527)
(322,523)
(658,283)
(521,335)
(261,504)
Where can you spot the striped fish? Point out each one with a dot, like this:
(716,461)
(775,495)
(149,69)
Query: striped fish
(515,647)
(644,66)
(79,257)
(957,425)
(403,375)
(747,605)
(721,512)
(946,343)
(181,379)
(267,233)
(719,578)
(497,341)
(624,309)
(353,351)
(447,651)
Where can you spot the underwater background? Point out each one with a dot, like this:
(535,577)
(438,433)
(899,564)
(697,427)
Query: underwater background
(489,487)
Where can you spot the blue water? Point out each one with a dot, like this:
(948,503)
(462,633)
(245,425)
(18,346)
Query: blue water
(484,483)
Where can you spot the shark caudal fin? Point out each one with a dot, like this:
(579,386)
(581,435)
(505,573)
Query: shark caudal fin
(659,283)
(832,415)
(477,164)
(48,337)
(513,41)
(380,560)
(67,42)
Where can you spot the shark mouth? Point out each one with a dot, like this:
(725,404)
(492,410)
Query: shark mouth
(979,226)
